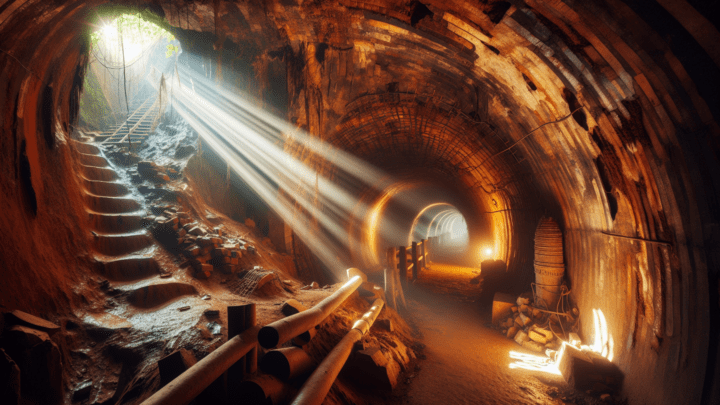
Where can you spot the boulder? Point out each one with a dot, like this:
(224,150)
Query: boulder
(23,318)
(385,324)
(584,369)
(502,307)
(370,367)
(39,361)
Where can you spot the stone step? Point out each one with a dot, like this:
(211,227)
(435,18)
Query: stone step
(99,173)
(111,205)
(160,294)
(115,223)
(129,268)
(92,160)
(106,188)
(86,148)
(122,244)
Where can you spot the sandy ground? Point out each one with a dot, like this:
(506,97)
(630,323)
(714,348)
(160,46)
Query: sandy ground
(467,362)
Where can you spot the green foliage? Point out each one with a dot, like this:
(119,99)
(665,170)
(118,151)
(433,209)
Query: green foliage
(94,109)
(134,29)
(171,49)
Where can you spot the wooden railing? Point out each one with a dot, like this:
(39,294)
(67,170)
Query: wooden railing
(401,261)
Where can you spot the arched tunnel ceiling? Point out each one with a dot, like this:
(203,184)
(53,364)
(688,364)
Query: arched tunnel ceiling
(636,164)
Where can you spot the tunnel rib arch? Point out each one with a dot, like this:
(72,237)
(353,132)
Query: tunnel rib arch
(643,73)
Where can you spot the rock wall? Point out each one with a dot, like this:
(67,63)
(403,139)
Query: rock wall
(601,114)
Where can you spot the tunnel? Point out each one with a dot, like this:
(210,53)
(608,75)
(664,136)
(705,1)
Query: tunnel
(292,140)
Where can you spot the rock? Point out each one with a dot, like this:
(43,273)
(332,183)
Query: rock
(192,251)
(502,304)
(214,328)
(385,324)
(512,332)
(249,223)
(605,397)
(514,309)
(314,285)
(184,308)
(537,337)
(211,313)
(292,307)
(584,369)
(82,391)
(521,337)
(39,361)
(371,368)
(526,320)
(23,318)
(521,300)
(9,380)
(174,364)
(205,297)
(203,271)
(184,151)
(536,313)
(197,231)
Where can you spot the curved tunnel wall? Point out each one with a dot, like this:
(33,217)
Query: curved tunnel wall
(631,176)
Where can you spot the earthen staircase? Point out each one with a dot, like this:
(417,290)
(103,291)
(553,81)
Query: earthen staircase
(124,249)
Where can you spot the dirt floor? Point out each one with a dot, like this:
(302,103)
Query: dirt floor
(465,360)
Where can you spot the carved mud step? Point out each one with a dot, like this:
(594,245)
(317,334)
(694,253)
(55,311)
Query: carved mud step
(115,223)
(159,294)
(86,148)
(99,173)
(93,160)
(111,205)
(129,268)
(121,244)
(106,188)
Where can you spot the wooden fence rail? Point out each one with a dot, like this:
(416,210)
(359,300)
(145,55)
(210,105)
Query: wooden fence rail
(400,261)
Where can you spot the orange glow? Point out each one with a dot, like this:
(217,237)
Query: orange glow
(486,252)
(603,343)
(532,362)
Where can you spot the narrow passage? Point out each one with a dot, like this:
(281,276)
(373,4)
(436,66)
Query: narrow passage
(467,362)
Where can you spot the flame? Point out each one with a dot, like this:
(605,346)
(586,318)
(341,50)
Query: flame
(533,362)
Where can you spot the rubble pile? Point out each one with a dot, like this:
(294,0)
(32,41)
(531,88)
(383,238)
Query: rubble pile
(206,250)
(147,170)
(531,327)
(120,154)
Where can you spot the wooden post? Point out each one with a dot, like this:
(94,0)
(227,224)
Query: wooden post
(424,252)
(415,261)
(399,289)
(390,271)
(402,266)
(251,356)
